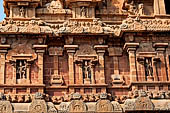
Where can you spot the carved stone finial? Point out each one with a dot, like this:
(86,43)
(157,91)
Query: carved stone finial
(142,93)
(103,96)
(76,96)
(38,95)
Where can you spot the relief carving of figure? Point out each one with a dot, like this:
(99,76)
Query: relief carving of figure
(87,70)
(129,7)
(3,108)
(140,9)
(21,69)
(22,12)
(148,67)
(83,12)
(56,4)
(76,108)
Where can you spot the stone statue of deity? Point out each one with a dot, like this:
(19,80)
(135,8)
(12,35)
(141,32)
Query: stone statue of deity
(83,12)
(87,70)
(21,70)
(22,12)
(148,67)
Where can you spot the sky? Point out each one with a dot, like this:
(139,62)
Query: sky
(2,15)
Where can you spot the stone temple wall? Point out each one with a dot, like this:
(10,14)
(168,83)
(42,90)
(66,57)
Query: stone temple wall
(85,56)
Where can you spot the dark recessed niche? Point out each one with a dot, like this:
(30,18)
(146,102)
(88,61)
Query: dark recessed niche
(167,6)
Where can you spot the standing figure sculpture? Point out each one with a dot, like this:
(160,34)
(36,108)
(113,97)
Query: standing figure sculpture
(86,71)
(148,67)
(22,12)
(21,70)
(140,9)
(83,12)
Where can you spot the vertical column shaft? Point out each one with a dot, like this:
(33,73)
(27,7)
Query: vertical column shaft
(116,65)
(40,65)
(71,49)
(100,49)
(3,51)
(2,66)
(162,7)
(71,67)
(161,48)
(40,49)
(131,49)
(56,65)
(159,7)
(156,7)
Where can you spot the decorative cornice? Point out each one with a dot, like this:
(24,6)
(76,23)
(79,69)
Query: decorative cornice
(84,26)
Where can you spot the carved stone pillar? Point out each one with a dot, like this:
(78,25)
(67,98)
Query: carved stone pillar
(80,73)
(131,49)
(100,49)
(71,49)
(160,48)
(3,51)
(40,49)
(93,74)
(159,7)
(156,7)
(162,7)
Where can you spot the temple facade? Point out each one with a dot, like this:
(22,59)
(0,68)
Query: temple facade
(85,56)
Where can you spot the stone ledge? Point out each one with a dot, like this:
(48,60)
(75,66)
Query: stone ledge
(151,82)
(160,45)
(4,46)
(87,85)
(40,46)
(56,87)
(70,46)
(130,45)
(22,85)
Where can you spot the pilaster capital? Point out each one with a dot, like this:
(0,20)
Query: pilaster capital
(4,48)
(131,46)
(71,48)
(101,48)
(160,46)
(40,48)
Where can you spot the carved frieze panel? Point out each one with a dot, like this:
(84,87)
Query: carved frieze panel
(55,6)
(116,107)
(129,105)
(31,26)
(64,106)
(20,47)
(143,103)
(38,106)
(10,27)
(77,106)
(104,106)
(85,49)
(137,24)
(5,107)
(51,108)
